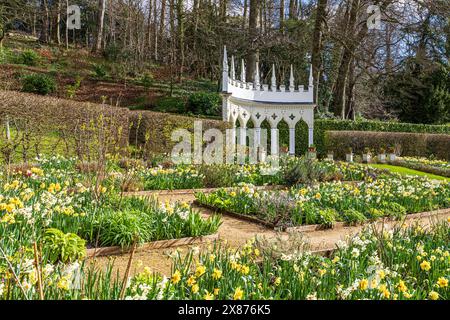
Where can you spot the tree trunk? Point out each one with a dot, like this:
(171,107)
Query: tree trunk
(252,37)
(44,32)
(155,27)
(100,19)
(244,19)
(162,20)
(281,16)
(316,59)
(149,27)
(67,27)
(58,22)
(292,9)
(180,17)
(340,84)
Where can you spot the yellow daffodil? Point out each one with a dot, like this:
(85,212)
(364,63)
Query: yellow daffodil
(238,294)
(191,281)
(442,282)
(363,284)
(433,295)
(200,270)
(176,277)
(425,265)
(217,274)
(401,286)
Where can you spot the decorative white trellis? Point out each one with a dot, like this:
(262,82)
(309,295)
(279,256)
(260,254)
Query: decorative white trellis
(244,101)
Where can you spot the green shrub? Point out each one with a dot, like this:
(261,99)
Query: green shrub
(394,210)
(72,88)
(100,70)
(38,83)
(374,213)
(327,217)
(406,144)
(170,104)
(64,247)
(306,171)
(352,216)
(28,57)
(146,80)
(204,103)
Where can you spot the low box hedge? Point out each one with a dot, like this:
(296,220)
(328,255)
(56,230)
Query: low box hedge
(321,126)
(405,143)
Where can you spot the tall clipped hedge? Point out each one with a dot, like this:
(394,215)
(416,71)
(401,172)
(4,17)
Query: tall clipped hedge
(405,143)
(158,127)
(323,125)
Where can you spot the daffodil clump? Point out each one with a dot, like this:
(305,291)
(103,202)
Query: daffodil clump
(230,175)
(179,177)
(400,264)
(428,162)
(328,202)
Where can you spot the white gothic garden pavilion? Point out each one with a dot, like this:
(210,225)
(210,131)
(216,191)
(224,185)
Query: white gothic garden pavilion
(244,101)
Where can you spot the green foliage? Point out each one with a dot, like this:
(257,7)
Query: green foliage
(394,210)
(420,92)
(72,88)
(38,83)
(306,171)
(353,216)
(327,217)
(170,104)
(144,220)
(406,144)
(64,247)
(204,103)
(146,80)
(100,70)
(28,57)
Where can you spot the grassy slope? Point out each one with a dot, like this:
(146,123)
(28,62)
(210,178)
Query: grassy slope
(407,171)
(117,86)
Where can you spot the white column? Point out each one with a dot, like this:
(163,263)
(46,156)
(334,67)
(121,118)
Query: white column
(292,141)
(243,136)
(310,136)
(257,136)
(273,141)
(231,144)
(233,135)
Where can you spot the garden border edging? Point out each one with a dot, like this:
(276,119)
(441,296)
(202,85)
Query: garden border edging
(159,244)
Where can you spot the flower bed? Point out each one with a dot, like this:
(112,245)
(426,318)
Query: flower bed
(55,203)
(328,202)
(438,167)
(291,171)
(401,264)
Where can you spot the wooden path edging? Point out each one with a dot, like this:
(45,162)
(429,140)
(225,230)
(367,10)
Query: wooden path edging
(340,225)
(235,215)
(115,250)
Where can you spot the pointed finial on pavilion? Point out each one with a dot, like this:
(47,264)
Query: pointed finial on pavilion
(291,79)
(242,70)
(311,82)
(233,70)
(225,70)
(274,79)
(256,80)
